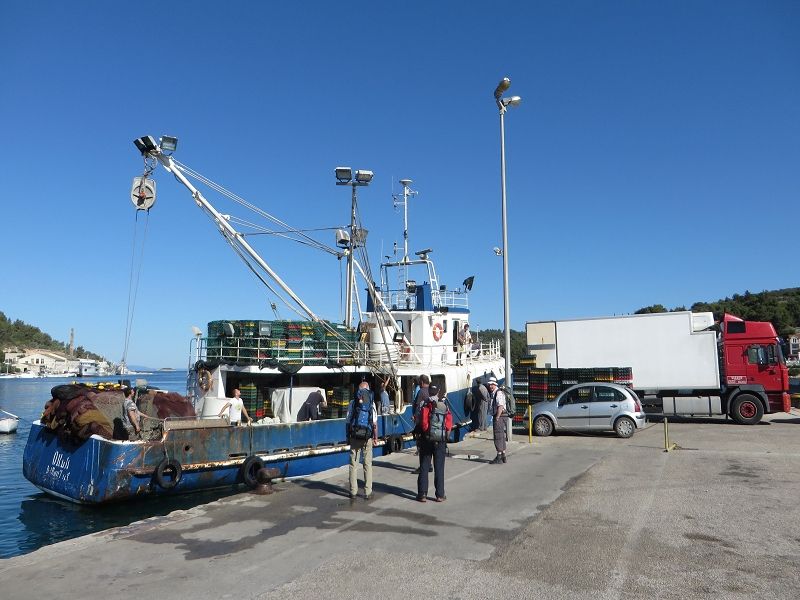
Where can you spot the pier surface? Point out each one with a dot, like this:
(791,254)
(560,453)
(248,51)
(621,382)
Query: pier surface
(570,516)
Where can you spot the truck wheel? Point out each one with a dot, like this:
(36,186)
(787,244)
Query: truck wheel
(624,427)
(746,409)
(542,426)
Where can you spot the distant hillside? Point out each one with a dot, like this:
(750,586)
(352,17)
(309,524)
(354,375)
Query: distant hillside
(780,307)
(18,334)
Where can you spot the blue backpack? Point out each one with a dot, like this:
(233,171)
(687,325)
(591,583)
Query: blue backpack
(360,427)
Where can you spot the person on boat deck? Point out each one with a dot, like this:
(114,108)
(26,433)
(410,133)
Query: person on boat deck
(384,395)
(131,416)
(235,406)
(311,407)
(363,400)
(464,343)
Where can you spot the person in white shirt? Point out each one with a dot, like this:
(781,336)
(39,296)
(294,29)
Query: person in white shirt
(500,424)
(235,408)
(464,343)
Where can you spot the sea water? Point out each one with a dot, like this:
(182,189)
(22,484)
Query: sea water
(29,518)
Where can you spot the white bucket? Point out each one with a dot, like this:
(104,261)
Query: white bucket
(211,407)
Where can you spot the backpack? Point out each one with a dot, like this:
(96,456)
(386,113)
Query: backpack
(511,404)
(360,427)
(436,422)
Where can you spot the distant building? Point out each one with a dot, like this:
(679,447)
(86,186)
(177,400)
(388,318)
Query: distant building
(794,345)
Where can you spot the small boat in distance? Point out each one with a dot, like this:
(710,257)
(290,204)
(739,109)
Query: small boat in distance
(8,422)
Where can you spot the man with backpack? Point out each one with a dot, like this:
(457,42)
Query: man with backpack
(435,422)
(500,425)
(362,434)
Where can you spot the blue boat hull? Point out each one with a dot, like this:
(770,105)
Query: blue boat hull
(100,471)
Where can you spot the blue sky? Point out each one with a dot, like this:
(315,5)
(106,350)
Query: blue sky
(654,159)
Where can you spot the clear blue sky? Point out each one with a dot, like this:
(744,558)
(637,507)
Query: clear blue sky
(655,157)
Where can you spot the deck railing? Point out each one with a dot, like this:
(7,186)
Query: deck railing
(269,351)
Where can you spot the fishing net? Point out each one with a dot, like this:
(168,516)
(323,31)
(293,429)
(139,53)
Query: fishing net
(78,411)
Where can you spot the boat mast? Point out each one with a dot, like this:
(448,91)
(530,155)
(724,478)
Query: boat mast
(227,229)
(402,271)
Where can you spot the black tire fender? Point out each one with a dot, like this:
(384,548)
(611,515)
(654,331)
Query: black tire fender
(168,473)
(250,467)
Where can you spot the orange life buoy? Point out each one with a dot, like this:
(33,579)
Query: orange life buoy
(204,380)
(438,331)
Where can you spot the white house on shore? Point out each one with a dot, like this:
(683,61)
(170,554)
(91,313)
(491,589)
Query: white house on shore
(42,363)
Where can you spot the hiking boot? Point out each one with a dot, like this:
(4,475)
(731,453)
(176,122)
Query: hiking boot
(442,499)
(503,456)
(421,499)
(496,460)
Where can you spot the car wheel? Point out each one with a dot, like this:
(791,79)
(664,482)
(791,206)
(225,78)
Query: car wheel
(542,426)
(624,427)
(747,409)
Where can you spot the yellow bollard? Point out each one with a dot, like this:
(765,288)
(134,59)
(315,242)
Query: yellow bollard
(530,425)
(668,447)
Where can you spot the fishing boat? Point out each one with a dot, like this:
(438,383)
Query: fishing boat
(8,422)
(409,326)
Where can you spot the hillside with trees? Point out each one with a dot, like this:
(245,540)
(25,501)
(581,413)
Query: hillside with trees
(18,334)
(780,307)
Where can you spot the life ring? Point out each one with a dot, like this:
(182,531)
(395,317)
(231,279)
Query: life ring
(250,467)
(168,473)
(204,380)
(438,331)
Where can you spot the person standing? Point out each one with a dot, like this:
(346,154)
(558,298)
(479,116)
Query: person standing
(384,396)
(500,425)
(131,417)
(360,414)
(312,406)
(464,343)
(235,408)
(481,399)
(419,399)
(432,451)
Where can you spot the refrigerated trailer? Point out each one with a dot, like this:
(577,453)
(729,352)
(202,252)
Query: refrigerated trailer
(683,363)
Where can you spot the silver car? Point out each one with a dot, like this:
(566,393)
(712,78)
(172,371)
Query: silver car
(590,406)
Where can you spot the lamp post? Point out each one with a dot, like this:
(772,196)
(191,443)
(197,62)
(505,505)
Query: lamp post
(344,176)
(503,104)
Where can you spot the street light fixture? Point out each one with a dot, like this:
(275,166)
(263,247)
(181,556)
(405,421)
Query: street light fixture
(502,105)
(358,236)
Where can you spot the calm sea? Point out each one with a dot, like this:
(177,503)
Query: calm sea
(30,519)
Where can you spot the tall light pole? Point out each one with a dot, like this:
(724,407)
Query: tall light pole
(344,176)
(503,104)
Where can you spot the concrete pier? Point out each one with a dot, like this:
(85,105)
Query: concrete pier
(570,516)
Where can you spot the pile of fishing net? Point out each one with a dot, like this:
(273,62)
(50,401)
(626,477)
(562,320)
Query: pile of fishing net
(78,411)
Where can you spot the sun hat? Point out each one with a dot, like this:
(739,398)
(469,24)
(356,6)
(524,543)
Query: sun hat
(492,380)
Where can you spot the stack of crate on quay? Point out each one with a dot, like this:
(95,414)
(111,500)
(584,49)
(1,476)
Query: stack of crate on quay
(520,385)
(546,384)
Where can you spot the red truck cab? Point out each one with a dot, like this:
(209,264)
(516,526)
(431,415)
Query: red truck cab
(752,368)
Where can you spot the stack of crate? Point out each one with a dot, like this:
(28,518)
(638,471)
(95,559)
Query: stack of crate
(252,399)
(521,385)
(287,341)
(338,401)
(546,384)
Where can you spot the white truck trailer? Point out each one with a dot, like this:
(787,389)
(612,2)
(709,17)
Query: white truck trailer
(683,363)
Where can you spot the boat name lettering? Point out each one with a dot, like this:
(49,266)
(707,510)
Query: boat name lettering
(60,461)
